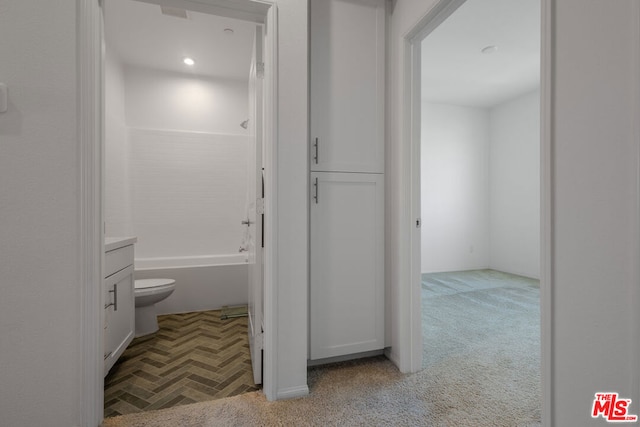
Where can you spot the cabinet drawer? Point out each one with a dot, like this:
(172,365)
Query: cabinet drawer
(118,259)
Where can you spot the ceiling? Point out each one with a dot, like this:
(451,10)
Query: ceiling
(139,34)
(455,71)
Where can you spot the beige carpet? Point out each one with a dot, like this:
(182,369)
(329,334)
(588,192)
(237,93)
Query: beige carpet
(481,369)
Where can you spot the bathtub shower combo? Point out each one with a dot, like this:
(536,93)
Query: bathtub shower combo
(191,243)
(201,283)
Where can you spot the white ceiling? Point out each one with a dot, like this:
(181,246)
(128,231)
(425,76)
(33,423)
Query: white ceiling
(139,34)
(454,71)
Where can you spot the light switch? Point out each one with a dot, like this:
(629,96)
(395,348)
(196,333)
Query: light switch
(3,98)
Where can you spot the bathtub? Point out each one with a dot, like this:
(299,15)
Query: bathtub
(202,282)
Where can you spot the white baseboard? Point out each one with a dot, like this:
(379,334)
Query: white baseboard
(345,358)
(292,392)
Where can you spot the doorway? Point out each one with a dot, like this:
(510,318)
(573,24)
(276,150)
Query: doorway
(182,124)
(91,98)
(475,134)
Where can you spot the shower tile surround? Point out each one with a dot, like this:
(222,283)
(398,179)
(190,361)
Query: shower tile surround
(194,357)
(176,160)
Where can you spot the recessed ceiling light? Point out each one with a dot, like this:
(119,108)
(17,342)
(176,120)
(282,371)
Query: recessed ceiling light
(489,49)
(228,31)
(189,61)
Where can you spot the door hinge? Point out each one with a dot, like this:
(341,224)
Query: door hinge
(259,341)
(260,70)
(260,206)
(418,222)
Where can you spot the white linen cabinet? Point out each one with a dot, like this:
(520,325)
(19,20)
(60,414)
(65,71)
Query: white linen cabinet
(346,314)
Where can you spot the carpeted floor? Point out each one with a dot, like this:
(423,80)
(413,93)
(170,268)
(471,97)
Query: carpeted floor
(481,368)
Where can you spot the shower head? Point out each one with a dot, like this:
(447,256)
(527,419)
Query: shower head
(245,124)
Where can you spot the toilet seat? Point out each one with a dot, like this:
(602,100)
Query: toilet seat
(144,287)
(152,283)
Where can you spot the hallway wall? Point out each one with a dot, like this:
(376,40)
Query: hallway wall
(40,326)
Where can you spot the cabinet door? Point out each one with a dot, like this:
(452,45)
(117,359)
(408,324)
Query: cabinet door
(347,257)
(119,315)
(347,85)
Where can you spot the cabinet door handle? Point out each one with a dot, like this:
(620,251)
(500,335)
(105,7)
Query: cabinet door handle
(114,291)
(316,186)
(107,355)
(316,156)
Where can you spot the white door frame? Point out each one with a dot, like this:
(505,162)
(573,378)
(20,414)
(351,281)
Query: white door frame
(410,340)
(90,69)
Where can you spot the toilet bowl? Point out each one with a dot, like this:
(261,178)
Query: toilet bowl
(147,293)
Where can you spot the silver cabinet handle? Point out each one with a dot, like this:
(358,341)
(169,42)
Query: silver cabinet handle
(316,188)
(107,355)
(316,156)
(114,291)
(247,222)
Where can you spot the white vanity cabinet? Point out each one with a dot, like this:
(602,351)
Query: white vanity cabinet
(347,85)
(119,303)
(347,259)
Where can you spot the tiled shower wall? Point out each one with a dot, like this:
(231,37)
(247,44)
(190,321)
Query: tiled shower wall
(176,161)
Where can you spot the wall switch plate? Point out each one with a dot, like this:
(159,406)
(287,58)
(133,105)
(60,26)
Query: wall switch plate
(3,98)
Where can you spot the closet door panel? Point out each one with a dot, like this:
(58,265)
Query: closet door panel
(347,85)
(347,286)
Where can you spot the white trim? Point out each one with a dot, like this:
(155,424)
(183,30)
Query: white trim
(635,87)
(414,194)
(89,35)
(409,353)
(293,392)
(547,30)
(270,361)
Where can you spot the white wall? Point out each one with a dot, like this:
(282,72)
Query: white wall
(514,167)
(117,215)
(595,258)
(455,188)
(292,200)
(176,101)
(399,224)
(39,216)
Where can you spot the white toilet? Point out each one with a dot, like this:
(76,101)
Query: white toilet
(147,293)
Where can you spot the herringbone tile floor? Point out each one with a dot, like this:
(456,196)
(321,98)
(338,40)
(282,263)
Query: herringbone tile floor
(194,357)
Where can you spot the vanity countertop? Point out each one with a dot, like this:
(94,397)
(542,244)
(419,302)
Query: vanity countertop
(113,243)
